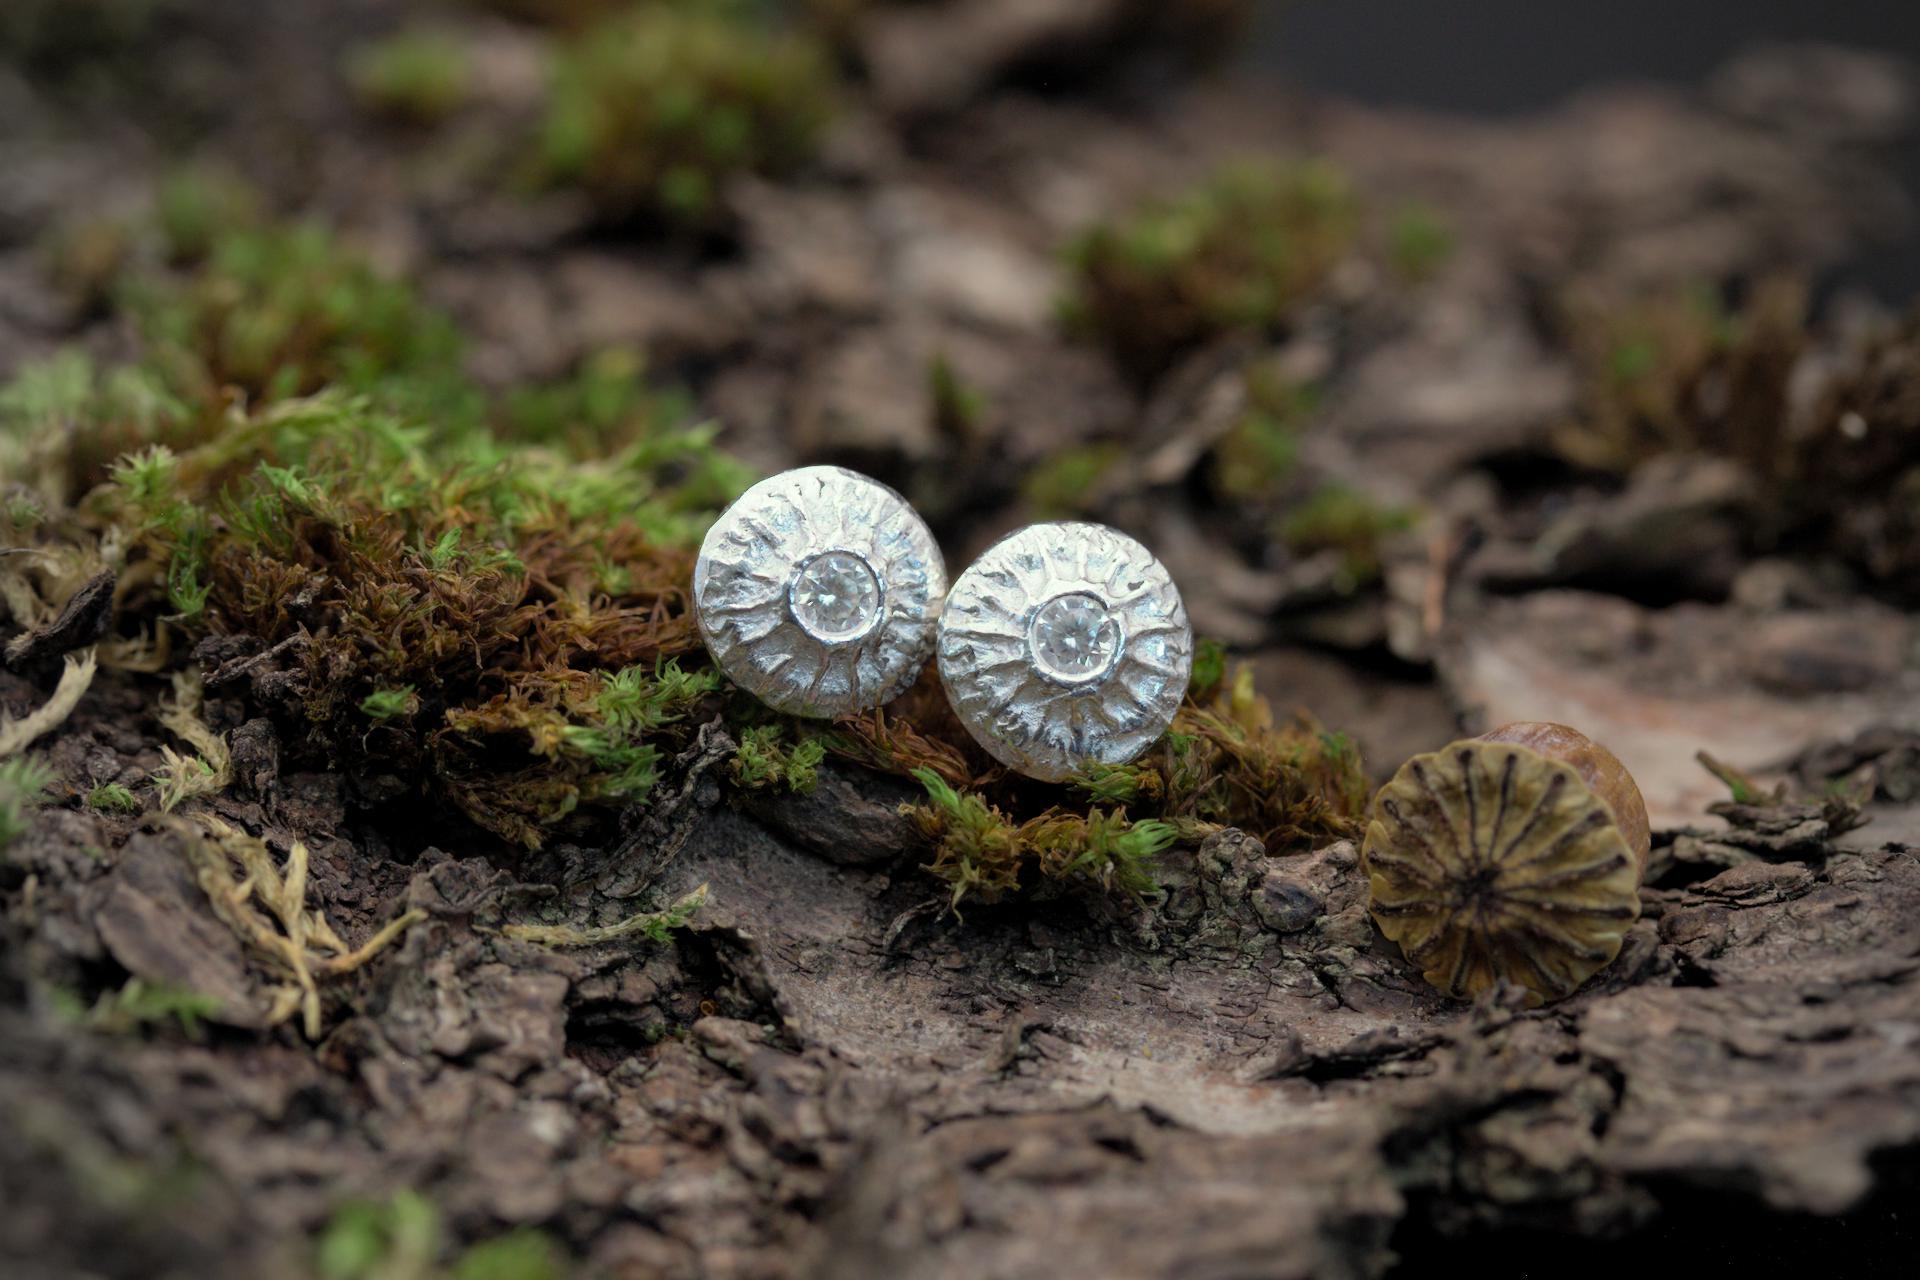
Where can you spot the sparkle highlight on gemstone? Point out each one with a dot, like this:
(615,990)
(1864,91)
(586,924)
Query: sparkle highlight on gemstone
(835,596)
(1074,638)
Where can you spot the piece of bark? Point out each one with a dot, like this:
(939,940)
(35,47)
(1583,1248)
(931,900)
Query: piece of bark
(83,620)
(1659,686)
(156,922)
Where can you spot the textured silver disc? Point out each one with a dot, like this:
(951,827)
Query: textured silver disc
(818,591)
(1063,646)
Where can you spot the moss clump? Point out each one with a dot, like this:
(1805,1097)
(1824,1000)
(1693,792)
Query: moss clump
(655,926)
(455,591)
(1865,451)
(652,111)
(483,605)
(595,739)
(112,797)
(764,762)
(1837,472)
(958,407)
(418,76)
(1209,669)
(1230,762)
(198,206)
(141,1004)
(390,704)
(526,1254)
(983,855)
(85,259)
(1224,763)
(401,1238)
(1419,241)
(1244,251)
(1069,482)
(264,903)
(1337,518)
(285,311)
(23,786)
(1258,456)
(1679,372)
(64,423)
(364,1240)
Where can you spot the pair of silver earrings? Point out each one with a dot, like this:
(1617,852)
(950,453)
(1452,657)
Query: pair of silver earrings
(822,592)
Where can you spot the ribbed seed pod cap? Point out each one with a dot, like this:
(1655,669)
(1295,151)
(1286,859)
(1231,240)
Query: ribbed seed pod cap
(1514,856)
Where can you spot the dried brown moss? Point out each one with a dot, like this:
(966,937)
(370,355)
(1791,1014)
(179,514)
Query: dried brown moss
(1837,470)
(1225,762)
(482,603)
(1242,252)
(1863,459)
(1679,371)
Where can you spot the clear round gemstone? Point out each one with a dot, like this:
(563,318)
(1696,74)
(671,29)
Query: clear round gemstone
(1074,638)
(835,596)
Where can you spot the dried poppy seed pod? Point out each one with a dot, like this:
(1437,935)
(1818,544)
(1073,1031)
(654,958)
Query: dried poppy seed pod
(1514,855)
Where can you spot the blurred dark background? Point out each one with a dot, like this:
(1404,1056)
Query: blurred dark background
(1518,55)
(1505,57)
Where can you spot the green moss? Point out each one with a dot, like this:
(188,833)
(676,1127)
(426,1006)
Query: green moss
(63,423)
(1244,251)
(113,798)
(23,784)
(508,612)
(626,709)
(486,597)
(976,849)
(982,855)
(1677,371)
(655,926)
(958,408)
(1419,241)
(1336,518)
(85,259)
(141,1004)
(1253,461)
(764,761)
(525,1254)
(390,704)
(1119,784)
(286,311)
(148,483)
(1229,762)
(1209,669)
(197,206)
(367,1241)
(651,111)
(419,76)
(1068,483)
(1225,762)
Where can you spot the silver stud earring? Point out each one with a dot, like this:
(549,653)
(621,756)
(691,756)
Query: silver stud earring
(818,591)
(1065,646)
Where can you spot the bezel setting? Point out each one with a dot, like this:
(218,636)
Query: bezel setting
(1047,718)
(763,633)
